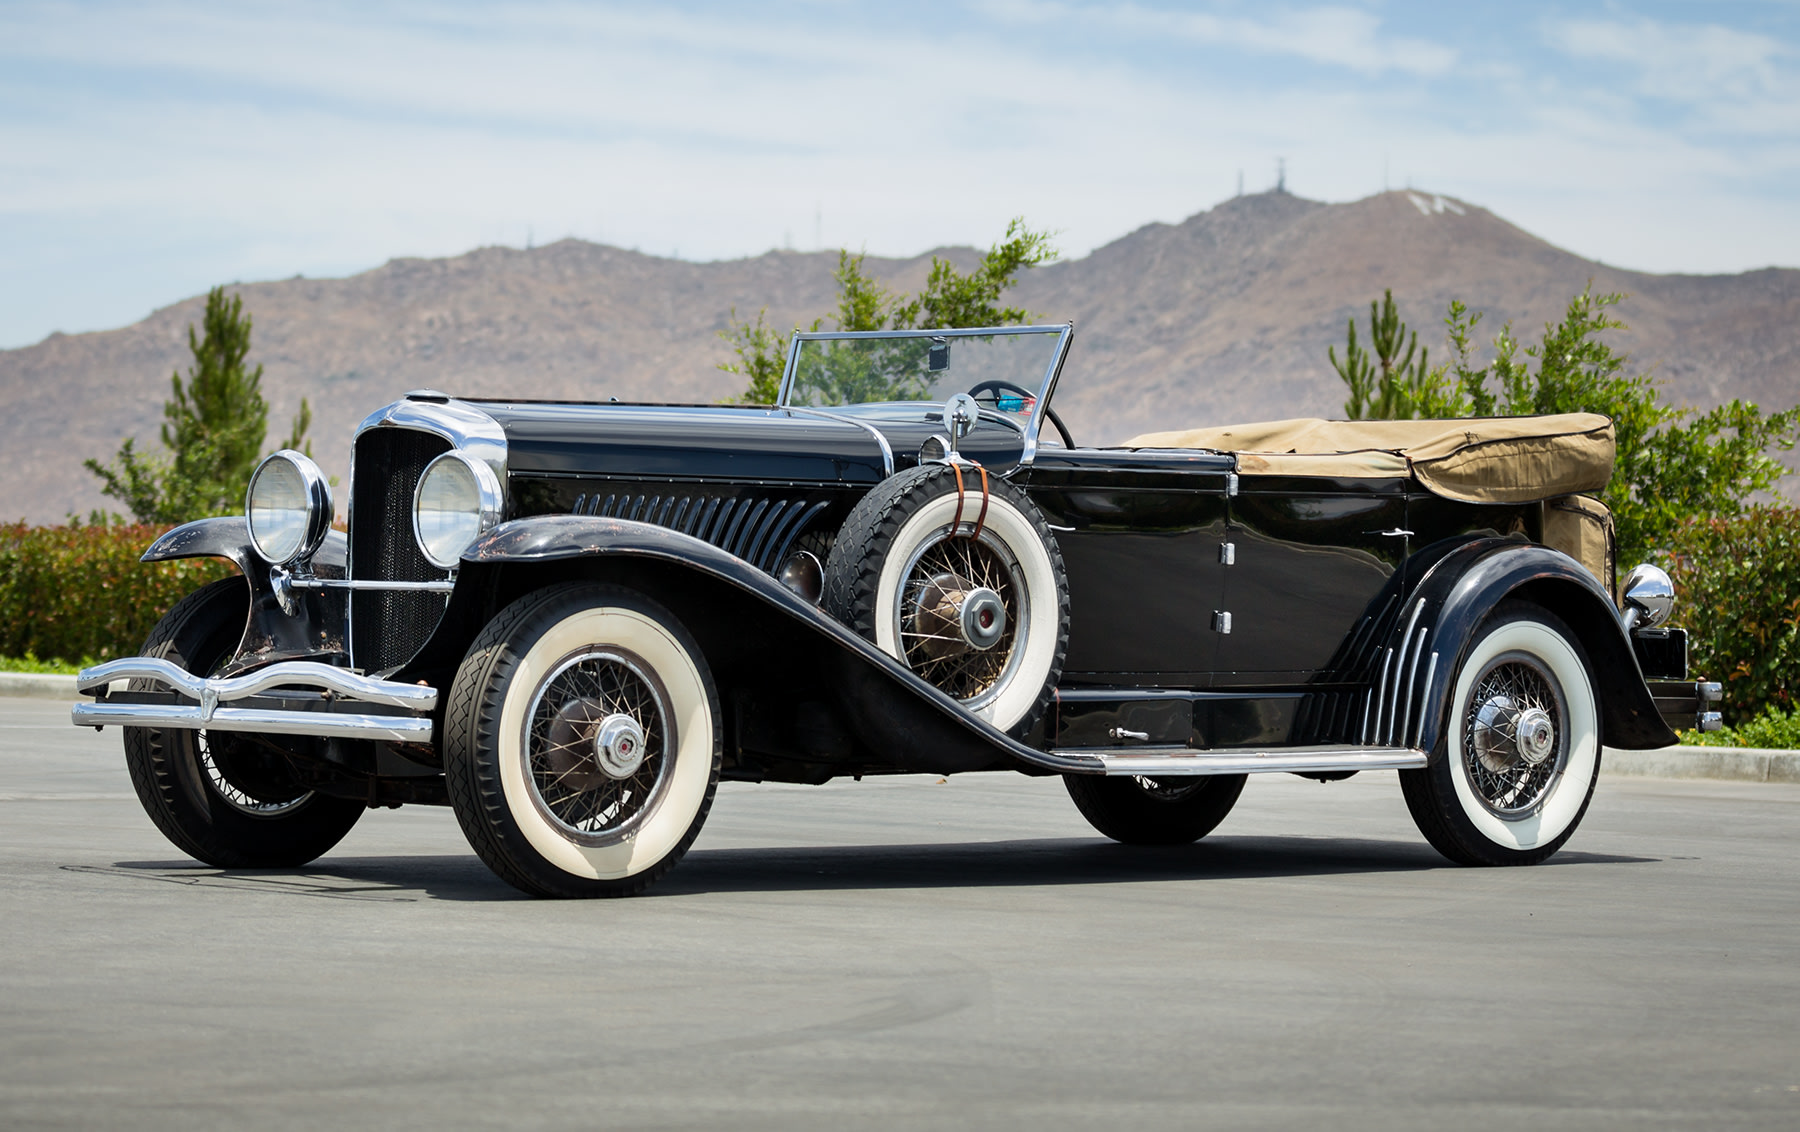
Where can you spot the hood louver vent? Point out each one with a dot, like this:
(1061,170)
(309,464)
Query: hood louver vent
(756,529)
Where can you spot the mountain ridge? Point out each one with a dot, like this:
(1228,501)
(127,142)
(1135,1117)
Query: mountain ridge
(1223,316)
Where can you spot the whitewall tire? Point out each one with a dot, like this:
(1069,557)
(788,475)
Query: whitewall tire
(582,742)
(973,600)
(1520,753)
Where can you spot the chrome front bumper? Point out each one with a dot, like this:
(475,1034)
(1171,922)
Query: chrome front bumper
(313,699)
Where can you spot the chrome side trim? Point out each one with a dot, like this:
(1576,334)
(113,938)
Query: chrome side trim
(1417,652)
(390,728)
(1412,739)
(288,673)
(1391,723)
(887,450)
(1172,761)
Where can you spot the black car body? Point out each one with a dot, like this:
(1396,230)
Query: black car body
(569,621)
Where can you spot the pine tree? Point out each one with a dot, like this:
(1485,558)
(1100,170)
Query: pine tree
(213,428)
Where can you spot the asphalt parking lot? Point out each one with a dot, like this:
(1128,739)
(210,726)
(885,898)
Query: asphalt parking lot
(906,953)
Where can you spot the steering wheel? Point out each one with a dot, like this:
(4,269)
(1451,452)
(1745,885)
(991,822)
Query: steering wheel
(997,385)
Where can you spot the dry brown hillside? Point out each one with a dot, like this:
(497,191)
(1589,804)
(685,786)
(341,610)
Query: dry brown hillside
(1224,316)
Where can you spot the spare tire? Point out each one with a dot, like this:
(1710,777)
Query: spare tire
(966,590)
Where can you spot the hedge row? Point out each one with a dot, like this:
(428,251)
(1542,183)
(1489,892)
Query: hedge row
(1737,583)
(79,592)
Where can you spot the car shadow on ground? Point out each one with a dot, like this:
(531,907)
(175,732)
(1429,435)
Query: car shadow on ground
(1048,862)
(1043,862)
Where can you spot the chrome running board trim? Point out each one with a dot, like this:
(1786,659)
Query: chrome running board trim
(390,728)
(288,673)
(1169,761)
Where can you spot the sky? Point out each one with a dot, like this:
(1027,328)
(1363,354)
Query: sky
(150,150)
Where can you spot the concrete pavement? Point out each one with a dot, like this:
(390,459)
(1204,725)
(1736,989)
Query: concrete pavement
(906,953)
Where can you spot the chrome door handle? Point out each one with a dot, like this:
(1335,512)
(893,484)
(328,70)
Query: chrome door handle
(1395,533)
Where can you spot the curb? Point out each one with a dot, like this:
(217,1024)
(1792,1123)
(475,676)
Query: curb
(1731,764)
(37,686)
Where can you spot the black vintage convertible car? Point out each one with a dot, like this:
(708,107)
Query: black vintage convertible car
(569,622)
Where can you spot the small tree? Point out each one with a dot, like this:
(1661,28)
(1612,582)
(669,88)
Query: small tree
(1405,387)
(213,428)
(950,299)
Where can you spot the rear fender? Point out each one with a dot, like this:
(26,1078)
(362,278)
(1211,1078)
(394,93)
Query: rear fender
(1410,702)
(759,638)
(315,630)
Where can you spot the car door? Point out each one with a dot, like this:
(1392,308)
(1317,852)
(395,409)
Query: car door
(1141,535)
(1309,554)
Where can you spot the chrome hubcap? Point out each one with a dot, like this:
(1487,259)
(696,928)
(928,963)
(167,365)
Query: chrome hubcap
(619,746)
(982,619)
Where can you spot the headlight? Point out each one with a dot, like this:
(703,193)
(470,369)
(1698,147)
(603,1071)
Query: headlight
(458,501)
(288,507)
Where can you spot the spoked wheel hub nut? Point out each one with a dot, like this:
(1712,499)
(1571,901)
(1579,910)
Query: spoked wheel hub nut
(619,746)
(983,620)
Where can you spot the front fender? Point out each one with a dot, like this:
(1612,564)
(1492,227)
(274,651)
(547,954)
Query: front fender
(746,622)
(1442,613)
(317,627)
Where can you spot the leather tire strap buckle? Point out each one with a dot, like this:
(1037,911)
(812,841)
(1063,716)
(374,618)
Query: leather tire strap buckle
(961,494)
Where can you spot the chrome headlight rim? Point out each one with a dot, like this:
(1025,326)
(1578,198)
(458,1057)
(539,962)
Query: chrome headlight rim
(488,504)
(316,491)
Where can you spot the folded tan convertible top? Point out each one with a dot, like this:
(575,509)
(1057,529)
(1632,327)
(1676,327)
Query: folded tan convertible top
(1480,460)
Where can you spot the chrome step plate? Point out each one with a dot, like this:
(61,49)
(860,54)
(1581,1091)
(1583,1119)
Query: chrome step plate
(1154,762)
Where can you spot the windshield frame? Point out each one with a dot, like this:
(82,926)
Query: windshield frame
(1047,385)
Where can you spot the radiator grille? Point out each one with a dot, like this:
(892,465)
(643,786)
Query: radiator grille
(386,629)
(756,528)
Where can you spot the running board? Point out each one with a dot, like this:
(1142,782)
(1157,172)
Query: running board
(1157,762)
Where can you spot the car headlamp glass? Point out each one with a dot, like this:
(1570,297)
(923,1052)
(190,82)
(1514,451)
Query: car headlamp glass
(457,501)
(288,507)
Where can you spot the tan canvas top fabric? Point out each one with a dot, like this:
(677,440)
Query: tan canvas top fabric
(1481,460)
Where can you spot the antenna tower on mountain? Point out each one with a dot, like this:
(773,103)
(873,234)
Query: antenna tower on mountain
(1281,174)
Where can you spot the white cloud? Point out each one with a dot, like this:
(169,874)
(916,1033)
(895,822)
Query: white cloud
(180,145)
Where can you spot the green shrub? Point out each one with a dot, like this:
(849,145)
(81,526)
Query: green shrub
(29,663)
(1773,729)
(68,593)
(1737,581)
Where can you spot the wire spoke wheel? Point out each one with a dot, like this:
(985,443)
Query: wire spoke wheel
(966,589)
(1515,736)
(233,773)
(1516,762)
(928,614)
(595,800)
(231,799)
(582,741)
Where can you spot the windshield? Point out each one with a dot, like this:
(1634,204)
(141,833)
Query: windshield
(1006,369)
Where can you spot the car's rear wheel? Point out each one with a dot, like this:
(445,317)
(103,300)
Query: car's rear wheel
(1520,754)
(966,590)
(1155,811)
(581,742)
(222,797)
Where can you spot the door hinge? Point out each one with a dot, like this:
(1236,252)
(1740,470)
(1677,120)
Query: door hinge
(1228,554)
(1231,483)
(1222,621)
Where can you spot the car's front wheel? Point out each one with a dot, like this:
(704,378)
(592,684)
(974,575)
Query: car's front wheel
(1136,810)
(225,798)
(1520,754)
(581,742)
